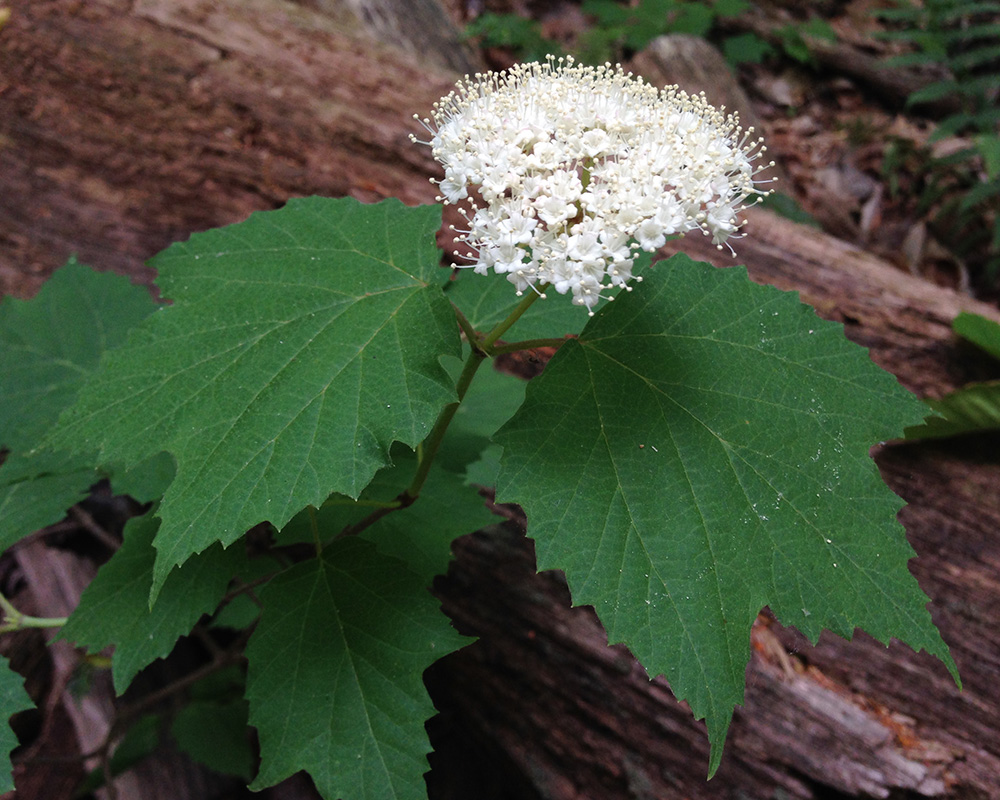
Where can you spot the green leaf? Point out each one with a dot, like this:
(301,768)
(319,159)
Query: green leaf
(488,300)
(979,193)
(420,535)
(911,59)
(484,470)
(701,452)
(964,8)
(819,28)
(653,18)
(746,48)
(114,608)
(982,332)
(973,408)
(731,8)
(335,669)
(48,347)
(36,490)
(513,31)
(970,87)
(966,34)
(794,44)
(607,12)
(974,58)
(989,149)
(147,480)
(300,344)
(693,20)
(13,699)
(51,343)
(215,734)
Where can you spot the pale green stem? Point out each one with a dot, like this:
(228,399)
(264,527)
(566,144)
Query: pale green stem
(515,315)
(14,620)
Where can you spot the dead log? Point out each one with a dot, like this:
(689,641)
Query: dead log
(125,126)
(128,126)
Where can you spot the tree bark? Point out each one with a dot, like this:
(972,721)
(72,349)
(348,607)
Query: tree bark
(125,126)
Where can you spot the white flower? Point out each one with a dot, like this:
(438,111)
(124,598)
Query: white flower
(567,170)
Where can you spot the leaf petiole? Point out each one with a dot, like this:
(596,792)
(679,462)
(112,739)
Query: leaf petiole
(14,620)
(514,316)
(466,326)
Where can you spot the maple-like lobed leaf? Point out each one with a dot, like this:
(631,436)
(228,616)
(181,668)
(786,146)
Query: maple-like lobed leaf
(703,451)
(114,608)
(49,345)
(300,344)
(335,674)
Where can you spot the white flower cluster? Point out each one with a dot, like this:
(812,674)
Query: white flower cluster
(568,169)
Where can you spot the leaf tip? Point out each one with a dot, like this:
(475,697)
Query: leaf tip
(718,727)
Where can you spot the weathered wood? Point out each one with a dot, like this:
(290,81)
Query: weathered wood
(125,126)
(124,129)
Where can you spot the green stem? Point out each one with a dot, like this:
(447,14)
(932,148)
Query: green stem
(14,620)
(466,326)
(515,315)
(375,516)
(433,441)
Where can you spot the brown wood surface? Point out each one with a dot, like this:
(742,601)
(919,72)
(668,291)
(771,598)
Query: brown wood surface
(127,125)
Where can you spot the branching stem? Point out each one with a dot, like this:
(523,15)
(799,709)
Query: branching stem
(482,347)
